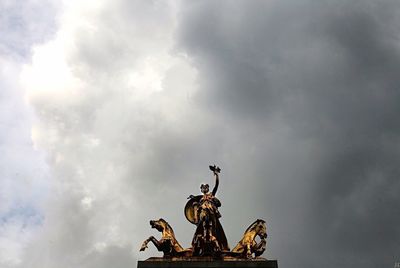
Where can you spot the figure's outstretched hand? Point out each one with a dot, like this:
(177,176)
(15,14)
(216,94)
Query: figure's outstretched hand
(215,169)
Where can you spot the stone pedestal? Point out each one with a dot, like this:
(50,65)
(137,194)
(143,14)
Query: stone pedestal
(206,263)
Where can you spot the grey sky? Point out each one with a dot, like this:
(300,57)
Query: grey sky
(327,73)
(24,173)
(297,101)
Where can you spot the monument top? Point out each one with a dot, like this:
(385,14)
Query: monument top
(207,262)
(209,244)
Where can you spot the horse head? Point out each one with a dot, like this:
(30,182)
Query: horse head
(159,224)
(259,228)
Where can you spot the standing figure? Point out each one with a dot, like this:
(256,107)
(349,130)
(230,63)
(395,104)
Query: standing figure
(202,210)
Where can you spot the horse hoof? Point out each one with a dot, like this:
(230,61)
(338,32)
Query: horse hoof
(143,247)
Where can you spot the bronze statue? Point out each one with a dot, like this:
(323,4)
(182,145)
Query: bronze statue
(248,245)
(168,243)
(202,210)
(209,238)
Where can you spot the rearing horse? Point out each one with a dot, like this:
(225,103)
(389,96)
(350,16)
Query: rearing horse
(168,243)
(248,245)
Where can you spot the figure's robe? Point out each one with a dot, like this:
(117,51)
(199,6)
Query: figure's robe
(190,211)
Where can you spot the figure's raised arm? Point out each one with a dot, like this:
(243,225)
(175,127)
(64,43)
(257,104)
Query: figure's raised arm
(216,170)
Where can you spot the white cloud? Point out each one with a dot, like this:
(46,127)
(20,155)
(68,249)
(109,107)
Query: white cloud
(48,70)
(105,90)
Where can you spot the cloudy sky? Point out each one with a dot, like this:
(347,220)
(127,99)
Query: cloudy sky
(111,112)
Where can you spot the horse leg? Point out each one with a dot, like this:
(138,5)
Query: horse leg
(144,244)
(156,243)
(248,251)
(260,247)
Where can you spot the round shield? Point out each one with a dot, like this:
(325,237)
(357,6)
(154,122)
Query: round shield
(191,208)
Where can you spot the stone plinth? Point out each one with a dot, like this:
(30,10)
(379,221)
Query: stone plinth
(206,263)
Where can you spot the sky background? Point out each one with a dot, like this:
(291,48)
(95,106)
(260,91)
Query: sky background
(111,112)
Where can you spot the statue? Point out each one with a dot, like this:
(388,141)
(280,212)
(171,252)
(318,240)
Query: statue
(202,210)
(248,245)
(209,239)
(168,243)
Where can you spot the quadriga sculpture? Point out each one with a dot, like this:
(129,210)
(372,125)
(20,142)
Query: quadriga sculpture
(209,240)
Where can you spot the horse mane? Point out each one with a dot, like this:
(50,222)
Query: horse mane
(253,225)
(167,226)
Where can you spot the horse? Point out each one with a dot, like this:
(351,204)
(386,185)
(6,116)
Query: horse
(168,243)
(248,246)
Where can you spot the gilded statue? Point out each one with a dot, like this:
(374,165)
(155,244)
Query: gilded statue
(168,243)
(248,246)
(202,210)
(209,238)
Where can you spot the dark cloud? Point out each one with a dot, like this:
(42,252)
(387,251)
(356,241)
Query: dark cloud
(320,80)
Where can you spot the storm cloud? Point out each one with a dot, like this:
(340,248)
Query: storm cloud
(327,74)
(297,101)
